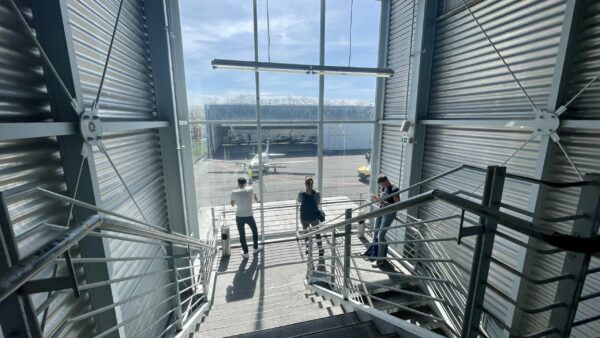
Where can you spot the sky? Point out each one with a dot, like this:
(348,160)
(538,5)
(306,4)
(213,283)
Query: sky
(223,29)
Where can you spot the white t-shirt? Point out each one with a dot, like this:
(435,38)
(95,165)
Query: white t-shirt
(243,201)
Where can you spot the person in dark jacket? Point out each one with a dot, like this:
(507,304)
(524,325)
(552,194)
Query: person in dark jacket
(310,200)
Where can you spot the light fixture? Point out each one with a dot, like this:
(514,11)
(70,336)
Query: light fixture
(300,68)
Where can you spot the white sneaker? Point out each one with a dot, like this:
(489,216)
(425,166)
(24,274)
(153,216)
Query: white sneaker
(245,255)
(377,263)
(259,249)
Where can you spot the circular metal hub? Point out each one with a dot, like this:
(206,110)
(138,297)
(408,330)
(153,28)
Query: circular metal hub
(90,127)
(546,123)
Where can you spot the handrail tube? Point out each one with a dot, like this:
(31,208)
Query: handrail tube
(18,274)
(559,240)
(543,333)
(73,201)
(412,201)
(112,224)
(586,320)
(400,274)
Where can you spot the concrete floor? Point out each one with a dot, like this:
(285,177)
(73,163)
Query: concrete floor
(216,178)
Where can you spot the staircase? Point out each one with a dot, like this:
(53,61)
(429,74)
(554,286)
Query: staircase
(346,325)
(265,292)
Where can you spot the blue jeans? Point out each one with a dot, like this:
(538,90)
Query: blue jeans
(241,222)
(379,232)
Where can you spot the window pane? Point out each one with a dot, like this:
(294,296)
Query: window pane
(346,160)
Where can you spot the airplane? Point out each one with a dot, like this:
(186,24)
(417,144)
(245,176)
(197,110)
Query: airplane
(251,167)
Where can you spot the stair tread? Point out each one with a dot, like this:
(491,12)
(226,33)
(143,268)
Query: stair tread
(307,327)
(266,323)
(358,330)
(265,312)
(235,307)
(267,316)
(220,300)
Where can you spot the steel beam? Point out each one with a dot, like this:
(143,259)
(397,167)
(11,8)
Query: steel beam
(54,33)
(482,253)
(546,151)
(569,290)
(382,53)
(119,127)
(17,131)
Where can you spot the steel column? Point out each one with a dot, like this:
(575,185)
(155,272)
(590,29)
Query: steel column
(419,95)
(54,34)
(382,53)
(320,140)
(482,253)
(18,317)
(577,264)
(261,184)
(185,139)
(159,33)
(547,148)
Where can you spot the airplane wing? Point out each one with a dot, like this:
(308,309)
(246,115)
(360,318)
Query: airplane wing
(276,155)
(226,161)
(275,164)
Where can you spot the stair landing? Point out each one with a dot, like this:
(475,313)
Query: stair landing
(262,292)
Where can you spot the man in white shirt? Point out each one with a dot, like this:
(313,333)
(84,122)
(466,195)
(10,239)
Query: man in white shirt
(242,198)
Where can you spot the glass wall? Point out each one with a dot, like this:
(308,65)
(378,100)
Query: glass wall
(227,132)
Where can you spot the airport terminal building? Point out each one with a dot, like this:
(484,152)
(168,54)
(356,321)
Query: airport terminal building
(116,213)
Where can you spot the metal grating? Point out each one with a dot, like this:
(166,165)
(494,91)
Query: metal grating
(468,78)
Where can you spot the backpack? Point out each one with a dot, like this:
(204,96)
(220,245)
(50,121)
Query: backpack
(310,200)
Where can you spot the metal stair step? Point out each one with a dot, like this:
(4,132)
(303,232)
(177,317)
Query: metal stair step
(304,328)
(220,300)
(229,328)
(358,330)
(264,312)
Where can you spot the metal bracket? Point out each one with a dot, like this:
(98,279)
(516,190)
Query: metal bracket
(546,123)
(90,126)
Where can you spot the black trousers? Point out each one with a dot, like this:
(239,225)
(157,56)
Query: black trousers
(241,222)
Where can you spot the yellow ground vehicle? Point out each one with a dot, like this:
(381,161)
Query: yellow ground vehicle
(364,172)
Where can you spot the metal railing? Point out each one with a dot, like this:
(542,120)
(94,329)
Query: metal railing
(185,272)
(453,289)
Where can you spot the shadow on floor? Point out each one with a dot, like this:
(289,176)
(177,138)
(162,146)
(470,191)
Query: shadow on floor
(244,281)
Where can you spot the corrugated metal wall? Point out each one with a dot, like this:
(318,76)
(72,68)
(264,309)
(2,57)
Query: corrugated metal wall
(127,94)
(469,81)
(584,147)
(30,163)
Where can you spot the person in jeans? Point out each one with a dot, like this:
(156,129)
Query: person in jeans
(242,199)
(309,200)
(382,223)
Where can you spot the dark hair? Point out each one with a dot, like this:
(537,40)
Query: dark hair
(382,178)
(309,181)
(241,181)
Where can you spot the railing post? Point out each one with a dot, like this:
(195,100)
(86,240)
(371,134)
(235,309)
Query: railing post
(492,196)
(569,290)
(347,253)
(310,260)
(178,308)
(297,226)
(360,230)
